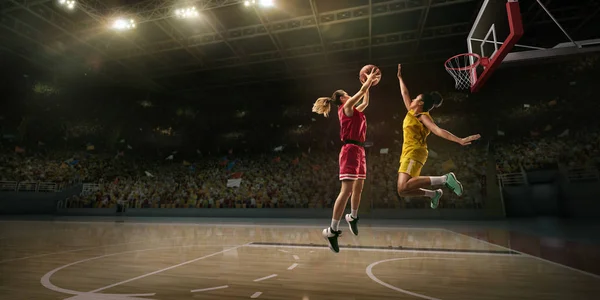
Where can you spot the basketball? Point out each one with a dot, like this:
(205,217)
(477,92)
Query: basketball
(366,70)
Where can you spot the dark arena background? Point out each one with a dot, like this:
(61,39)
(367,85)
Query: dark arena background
(166,149)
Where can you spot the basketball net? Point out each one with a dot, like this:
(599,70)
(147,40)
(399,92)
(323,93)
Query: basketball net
(463,68)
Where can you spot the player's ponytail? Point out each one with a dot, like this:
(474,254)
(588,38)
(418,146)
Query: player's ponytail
(323,105)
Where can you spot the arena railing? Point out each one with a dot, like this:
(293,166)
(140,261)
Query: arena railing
(8,186)
(88,188)
(29,186)
(510,179)
(43,187)
(47,187)
(582,174)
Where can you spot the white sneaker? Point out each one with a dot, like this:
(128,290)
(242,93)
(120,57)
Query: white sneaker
(331,236)
(352,223)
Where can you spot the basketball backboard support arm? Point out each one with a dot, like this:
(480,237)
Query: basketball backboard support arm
(524,56)
(516,32)
(516,45)
(558,24)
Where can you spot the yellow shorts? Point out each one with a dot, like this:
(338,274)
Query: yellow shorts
(410,167)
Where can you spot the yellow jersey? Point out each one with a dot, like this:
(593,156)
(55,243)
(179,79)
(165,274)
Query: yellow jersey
(415,136)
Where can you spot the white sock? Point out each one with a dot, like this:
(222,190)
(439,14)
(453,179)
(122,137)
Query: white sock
(354,213)
(438,180)
(334,224)
(428,193)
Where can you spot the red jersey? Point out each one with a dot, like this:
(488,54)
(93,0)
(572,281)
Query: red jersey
(352,128)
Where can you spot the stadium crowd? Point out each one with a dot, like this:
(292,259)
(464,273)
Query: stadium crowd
(532,130)
(281,180)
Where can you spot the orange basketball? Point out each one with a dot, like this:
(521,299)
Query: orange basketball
(366,70)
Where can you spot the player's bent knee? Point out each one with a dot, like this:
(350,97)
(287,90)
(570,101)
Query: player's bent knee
(401,190)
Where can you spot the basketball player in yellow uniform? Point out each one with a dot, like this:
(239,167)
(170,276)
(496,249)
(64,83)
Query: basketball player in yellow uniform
(417,125)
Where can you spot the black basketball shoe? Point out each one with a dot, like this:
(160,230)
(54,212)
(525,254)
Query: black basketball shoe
(352,223)
(331,236)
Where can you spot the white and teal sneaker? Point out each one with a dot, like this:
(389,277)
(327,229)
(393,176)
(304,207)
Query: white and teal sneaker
(435,201)
(453,184)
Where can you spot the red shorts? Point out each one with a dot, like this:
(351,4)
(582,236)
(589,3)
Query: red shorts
(353,162)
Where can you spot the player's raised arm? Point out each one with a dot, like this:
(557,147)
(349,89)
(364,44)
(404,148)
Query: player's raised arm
(403,89)
(365,102)
(363,90)
(445,134)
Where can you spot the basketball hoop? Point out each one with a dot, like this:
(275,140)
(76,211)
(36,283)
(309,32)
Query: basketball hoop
(463,68)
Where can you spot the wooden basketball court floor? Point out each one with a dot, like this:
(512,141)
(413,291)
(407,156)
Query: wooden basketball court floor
(129,260)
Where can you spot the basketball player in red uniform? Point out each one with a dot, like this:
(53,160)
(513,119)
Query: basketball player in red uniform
(353,164)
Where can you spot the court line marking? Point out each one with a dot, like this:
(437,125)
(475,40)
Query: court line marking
(528,255)
(293,266)
(296,257)
(83,249)
(265,278)
(385,250)
(88,296)
(256,295)
(369,271)
(164,269)
(210,289)
(45,280)
(397,247)
(284,251)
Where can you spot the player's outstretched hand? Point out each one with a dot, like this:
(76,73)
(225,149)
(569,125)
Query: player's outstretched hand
(373,76)
(399,70)
(374,72)
(468,140)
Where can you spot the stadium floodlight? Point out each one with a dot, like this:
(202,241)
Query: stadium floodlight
(262,3)
(70,4)
(186,13)
(123,24)
(267,3)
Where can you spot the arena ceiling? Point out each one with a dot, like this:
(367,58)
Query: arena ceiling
(231,43)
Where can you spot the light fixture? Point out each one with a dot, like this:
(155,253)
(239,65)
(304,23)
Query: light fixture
(123,24)
(262,3)
(69,4)
(267,3)
(186,13)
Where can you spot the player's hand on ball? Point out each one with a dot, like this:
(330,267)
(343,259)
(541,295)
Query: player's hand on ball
(374,72)
(468,140)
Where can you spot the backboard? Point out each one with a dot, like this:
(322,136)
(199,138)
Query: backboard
(493,40)
(496,30)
